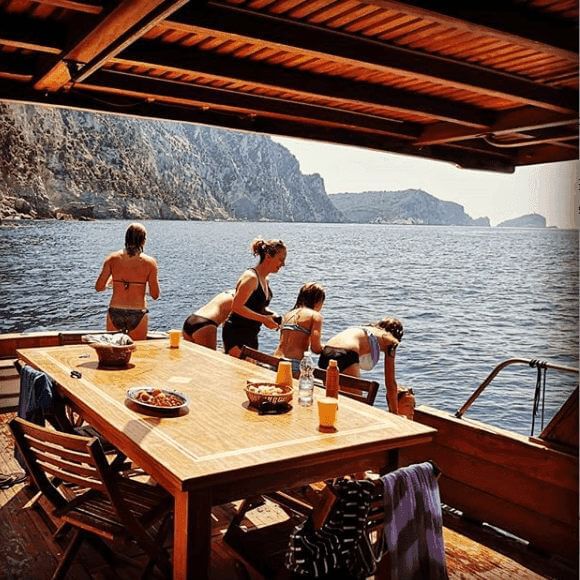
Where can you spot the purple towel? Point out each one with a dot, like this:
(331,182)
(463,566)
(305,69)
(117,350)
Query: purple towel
(414,524)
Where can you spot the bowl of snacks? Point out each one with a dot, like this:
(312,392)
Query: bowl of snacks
(158,399)
(259,391)
(113,350)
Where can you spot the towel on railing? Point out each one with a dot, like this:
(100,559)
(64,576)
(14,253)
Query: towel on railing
(414,523)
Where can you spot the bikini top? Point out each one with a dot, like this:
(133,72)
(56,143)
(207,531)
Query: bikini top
(126,283)
(368,361)
(295,326)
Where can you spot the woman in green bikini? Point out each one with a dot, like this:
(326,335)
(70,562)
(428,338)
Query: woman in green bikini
(128,272)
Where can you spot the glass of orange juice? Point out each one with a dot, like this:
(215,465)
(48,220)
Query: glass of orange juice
(327,407)
(284,375)
(174,338)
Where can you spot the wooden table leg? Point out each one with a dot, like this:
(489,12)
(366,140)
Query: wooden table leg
(192,535)
(392,462)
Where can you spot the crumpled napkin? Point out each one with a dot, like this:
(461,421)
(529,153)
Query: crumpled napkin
(118,339)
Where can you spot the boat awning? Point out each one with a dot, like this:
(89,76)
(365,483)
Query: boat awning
(489,88)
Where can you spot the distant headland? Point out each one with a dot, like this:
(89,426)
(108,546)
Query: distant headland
(64,164)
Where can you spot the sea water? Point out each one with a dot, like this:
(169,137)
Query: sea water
(469,297)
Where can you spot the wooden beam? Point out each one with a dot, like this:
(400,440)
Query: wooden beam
(155,111)
(546,154)
(554,135)
(116,29)
(510,22)
(519,120)
(152,54)
(26,33)
(93,7)
(245,103)
(248,26)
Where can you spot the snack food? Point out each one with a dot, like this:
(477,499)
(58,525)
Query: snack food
(158,398)
(266,389)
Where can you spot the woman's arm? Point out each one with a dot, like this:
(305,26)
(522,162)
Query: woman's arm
(316,333)
(104,276)
(390,380)
(246,285)
(153,280)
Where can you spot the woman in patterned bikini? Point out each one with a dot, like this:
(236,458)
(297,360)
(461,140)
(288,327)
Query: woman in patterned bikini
(128,272)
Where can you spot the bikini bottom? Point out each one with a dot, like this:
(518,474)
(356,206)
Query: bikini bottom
(126,319)
(343,357)
(195,322)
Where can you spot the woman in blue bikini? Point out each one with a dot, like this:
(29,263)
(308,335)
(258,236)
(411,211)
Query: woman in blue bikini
(359,348)
(301,327)
(128,272)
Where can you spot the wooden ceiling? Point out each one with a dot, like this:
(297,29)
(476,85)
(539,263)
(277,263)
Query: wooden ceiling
(489,88)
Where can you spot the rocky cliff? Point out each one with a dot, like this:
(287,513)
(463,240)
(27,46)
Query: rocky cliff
(62,163)
(411,206)
(531,220)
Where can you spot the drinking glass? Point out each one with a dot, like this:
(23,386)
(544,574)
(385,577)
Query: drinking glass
(284,375)
(174,338)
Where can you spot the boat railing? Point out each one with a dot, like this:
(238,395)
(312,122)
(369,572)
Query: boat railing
(532,363)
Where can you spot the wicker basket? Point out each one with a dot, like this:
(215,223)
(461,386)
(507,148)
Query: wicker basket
(257,398)
(113,355)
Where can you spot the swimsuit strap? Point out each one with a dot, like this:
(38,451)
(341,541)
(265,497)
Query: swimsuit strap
(127,282)
(289,325)
(268,293)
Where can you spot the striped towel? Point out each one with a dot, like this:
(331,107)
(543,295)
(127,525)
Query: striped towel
(414,524)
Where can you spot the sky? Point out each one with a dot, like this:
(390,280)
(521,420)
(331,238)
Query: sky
(550,189)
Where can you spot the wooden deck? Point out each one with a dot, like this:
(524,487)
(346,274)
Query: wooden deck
(27,549)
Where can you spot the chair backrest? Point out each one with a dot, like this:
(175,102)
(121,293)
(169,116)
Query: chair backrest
(353,387)
(68,458)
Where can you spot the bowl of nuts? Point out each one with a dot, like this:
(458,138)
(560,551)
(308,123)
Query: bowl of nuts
(259,391)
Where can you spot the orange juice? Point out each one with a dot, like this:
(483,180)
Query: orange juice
(327,407)
(284,375)
(174,338)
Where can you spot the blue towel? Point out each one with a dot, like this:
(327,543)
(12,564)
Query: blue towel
(414,524)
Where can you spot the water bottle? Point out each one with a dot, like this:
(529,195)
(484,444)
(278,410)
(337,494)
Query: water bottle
(306,380)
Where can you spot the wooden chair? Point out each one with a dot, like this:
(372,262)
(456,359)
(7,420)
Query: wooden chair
(92,498)
(264,548)
(360,389)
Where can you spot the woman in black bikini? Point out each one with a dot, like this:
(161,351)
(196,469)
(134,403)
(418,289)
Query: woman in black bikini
(128,272)
(201,326)
(253,294)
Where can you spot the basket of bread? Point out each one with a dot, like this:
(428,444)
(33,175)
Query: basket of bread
(259,391)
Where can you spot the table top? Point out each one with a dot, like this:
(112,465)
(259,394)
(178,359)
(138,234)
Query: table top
(218,438)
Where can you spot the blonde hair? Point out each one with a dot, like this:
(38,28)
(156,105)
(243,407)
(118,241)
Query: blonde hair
(263,248)
(135,239)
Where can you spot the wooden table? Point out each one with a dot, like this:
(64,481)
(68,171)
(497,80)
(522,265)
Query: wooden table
(218,450)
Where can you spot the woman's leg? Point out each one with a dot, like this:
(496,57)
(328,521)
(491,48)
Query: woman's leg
(140,331)
(206,336)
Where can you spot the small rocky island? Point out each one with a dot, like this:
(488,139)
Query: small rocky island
(531,220)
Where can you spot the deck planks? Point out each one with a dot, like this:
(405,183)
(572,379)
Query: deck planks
(27,547)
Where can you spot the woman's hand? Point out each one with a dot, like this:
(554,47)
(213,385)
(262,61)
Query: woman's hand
(271,321)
